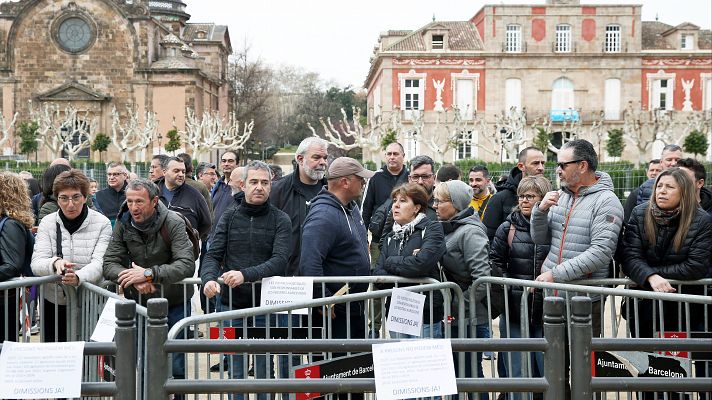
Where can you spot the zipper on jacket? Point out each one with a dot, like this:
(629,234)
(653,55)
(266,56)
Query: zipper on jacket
(566,227)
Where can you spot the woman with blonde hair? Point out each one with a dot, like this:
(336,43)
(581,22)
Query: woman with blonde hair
(16,219)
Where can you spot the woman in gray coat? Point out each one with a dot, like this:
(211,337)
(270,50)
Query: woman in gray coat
(466,257)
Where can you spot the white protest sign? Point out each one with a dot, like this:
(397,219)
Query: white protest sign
(405,314)
(106,326)
(278,290)
(41,370)
(414,368)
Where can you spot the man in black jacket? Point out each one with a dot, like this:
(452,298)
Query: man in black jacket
(697,173)
(251,242)
(182,198)
(531,162)
(380,186)
(109,200)
(293,193)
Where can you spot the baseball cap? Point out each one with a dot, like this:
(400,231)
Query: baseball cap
(345,166)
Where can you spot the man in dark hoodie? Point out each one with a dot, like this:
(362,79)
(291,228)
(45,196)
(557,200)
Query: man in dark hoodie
(294,192)
(334,241)
(531,162)
(110,199)
(178,196)
(697,173)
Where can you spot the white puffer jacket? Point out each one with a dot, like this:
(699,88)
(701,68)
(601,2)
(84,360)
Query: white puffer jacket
(85,248)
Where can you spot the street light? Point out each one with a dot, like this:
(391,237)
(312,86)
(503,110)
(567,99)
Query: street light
(503,135)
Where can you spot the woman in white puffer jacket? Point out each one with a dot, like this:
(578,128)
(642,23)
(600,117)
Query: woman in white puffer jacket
(78,254)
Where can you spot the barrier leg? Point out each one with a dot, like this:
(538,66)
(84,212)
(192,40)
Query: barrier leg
(554,359)
(126,350)
(156,368)
(581,334)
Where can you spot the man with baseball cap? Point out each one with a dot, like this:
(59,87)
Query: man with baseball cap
(334,241)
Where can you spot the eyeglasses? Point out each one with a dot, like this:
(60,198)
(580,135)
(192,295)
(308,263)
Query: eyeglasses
(527,197)
(416,178)
(77,198)
(563,164)
(110,174)
(437,201)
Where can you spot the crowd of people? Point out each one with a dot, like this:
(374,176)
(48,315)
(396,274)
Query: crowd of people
(252,223)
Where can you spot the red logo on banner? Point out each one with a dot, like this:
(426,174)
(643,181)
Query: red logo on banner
(222,333)
(313,372)
(675,335)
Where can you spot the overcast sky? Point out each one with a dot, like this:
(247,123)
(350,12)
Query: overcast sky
(335,37)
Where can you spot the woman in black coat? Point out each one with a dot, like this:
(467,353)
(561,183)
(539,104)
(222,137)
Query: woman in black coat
(18,218)
(514,253)
(412,249)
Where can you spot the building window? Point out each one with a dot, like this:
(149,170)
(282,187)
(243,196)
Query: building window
(612,99)
(513,94)
(613,39)
(706,91)
(411,146)
(562,101)
(687,42)
(563,38)
(438,42)
(513,39)
(467,146)
(464,97)
(377,99)
(662,94)
(412,97)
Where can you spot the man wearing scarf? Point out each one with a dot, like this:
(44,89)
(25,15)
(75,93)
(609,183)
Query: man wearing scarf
(251,242)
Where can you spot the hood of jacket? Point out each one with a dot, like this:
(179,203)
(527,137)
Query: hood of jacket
(604,182)
(519,221)
(325,197)
(126,218)
(512,182)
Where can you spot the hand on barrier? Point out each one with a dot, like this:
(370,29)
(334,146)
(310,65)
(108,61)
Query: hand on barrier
(547,276)
(61,265)
(69,277)
(550,199)
(145,288)
(132,276)
(233,278)
(210,289)
(660,284)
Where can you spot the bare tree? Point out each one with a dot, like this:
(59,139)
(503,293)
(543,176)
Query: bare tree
(214,132)
(6,128)
(347,134)
(510,130)
(133,134)
(70,130)
(642,128)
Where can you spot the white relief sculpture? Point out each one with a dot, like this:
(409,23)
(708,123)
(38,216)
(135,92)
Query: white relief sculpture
(439,85)
(687,88)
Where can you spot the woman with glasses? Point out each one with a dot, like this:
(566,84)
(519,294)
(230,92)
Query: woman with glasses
(16,218)
(465,258)
(514,253)
(412,250)
(70,242)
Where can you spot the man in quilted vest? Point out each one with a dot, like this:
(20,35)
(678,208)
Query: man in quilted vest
(581,221)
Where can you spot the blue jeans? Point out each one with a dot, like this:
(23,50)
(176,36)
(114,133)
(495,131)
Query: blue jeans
(515,369)
(175,314)
(429,331)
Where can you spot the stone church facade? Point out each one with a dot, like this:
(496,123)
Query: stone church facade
(101,54)
(560,60)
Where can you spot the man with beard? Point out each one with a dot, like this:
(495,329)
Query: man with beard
(697,173)
(480,183)
(182,198)
(293,193)
(530,163)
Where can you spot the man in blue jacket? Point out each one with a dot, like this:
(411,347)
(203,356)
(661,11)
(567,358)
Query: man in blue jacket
(334,241)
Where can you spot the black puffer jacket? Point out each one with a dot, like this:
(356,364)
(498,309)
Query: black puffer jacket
(522,260)
(109,201)
(12,251)
(643,260)
(379,190)
(189,202)
(502,203)
(254,242)
(428,238)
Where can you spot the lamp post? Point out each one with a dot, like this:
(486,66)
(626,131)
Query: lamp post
(160,146)
(503,136)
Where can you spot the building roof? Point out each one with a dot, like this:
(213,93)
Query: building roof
(462,35)
(212,32)
(655,36)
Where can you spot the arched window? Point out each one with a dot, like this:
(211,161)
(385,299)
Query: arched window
(513,94)
(563,106)
(612,99)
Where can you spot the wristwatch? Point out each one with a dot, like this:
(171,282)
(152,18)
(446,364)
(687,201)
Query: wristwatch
(148,274)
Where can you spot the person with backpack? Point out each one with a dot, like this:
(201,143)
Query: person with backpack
(70,242)
(515,254)
(16,220)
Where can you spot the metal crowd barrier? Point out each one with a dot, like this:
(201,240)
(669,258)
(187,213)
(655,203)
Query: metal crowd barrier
(158,360)
(21,299)
(615,319)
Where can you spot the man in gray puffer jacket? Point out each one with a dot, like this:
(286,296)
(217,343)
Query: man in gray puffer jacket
(582,222)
